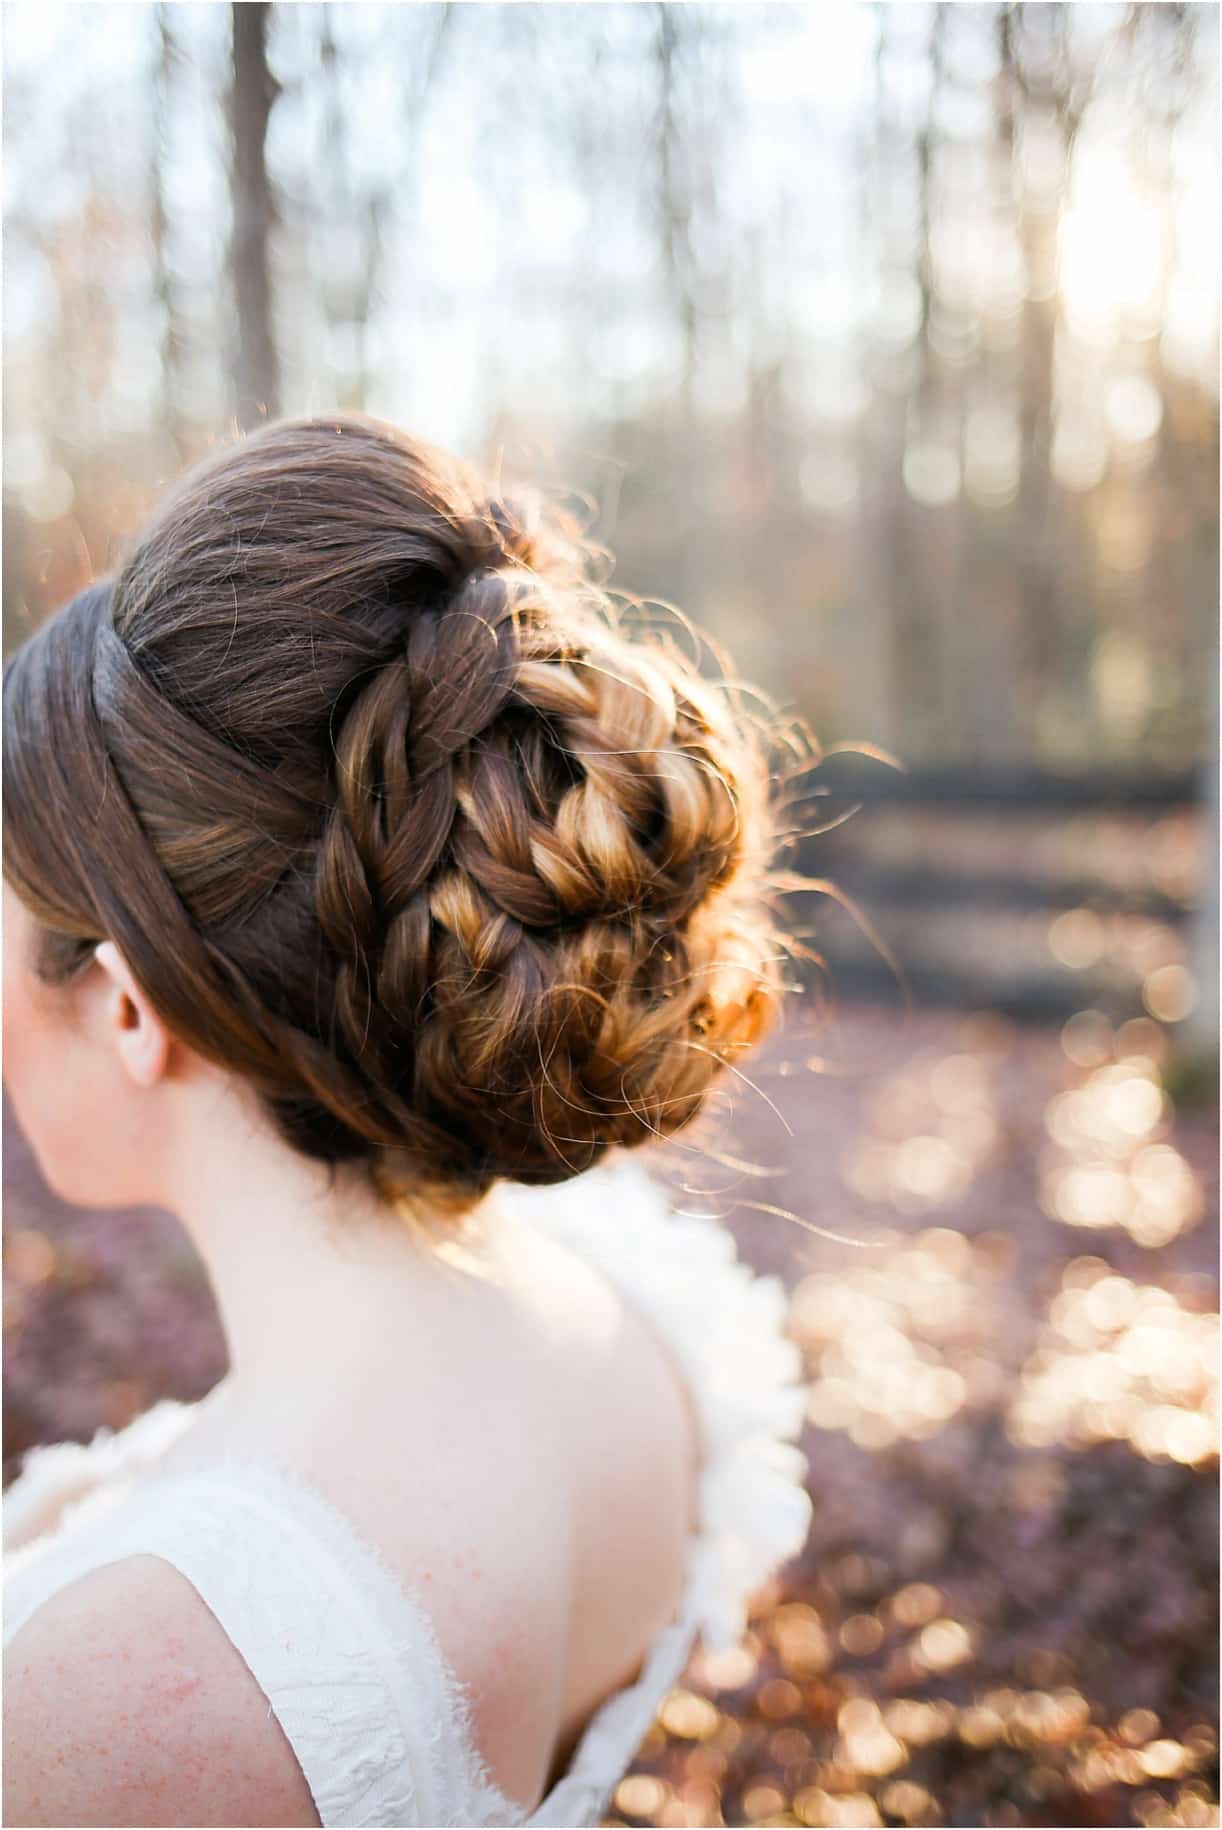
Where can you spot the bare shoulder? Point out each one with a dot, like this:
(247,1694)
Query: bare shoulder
(126,1703)
(634,1482)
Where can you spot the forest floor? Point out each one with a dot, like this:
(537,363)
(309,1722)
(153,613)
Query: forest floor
(1006,1612)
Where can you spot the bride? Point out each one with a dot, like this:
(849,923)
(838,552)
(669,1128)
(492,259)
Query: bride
(369,895)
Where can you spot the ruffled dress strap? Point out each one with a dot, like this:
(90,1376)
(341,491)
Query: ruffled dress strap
(725,1326)
(58,1477)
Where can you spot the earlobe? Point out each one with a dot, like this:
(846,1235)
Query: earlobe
(140,1038)
(142,1041)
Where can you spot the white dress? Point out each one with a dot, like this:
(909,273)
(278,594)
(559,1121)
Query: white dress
(346,1656)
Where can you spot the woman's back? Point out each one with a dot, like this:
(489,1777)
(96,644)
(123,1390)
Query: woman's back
(528,1468)
(456,1614)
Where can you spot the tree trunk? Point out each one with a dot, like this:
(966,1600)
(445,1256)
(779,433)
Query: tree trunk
(1201,1024)
(256,367)
(172,336)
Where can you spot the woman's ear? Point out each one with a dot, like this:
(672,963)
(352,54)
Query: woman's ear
(138,1035)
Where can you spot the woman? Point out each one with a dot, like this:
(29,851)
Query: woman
(368,894)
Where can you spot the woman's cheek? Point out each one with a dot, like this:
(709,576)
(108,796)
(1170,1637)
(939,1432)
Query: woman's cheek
(23,1081)
(66,1107)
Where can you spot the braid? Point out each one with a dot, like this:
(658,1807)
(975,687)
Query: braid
(390,818)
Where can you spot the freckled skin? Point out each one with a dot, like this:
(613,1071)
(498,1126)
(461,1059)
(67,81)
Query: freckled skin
(126,1703)
(186,1687)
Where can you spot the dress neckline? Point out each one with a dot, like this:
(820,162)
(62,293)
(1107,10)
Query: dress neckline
(303,1506)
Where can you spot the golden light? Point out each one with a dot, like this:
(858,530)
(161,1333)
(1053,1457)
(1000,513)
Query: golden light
(1121,1361)
(1052,1716)
(1169,1197)
(1092,1195)
(930,1128)
(916,1604)
(898,1347)
(761,1802)
(641,1795)
(1110,1171)
(815,1806)
(728,1670)
(1076,938)
(980,1726)
(918,1722)
(1106,1766)
(873,1751)
(903,1799)
(1113,1106)
(1163,1759)
(1169,993)
(1135,1105)
(688,1716)
(858,1716)
(1138,1726)
(1086,1038)
(943,1644)
(927,1168)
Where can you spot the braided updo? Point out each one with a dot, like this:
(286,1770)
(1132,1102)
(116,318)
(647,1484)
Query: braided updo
(388,816)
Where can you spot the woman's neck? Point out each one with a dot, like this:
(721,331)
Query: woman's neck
(312,1271)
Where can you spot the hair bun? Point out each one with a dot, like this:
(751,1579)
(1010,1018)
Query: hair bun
(467,882)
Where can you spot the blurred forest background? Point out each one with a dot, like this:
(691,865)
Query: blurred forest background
(882,340)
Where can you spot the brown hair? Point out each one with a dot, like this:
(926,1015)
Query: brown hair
(386,814)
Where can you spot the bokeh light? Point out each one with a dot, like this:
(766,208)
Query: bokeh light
(1110,1165)
(1121,1361)
(898,1348)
